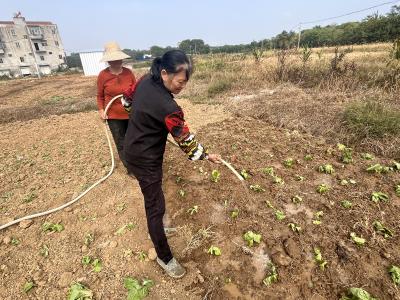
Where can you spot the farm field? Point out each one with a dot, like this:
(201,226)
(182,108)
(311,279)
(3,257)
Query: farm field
(321,197)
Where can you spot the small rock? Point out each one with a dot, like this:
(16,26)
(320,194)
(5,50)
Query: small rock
(152,254)
(7,240)
(65,279)
(386,255)
(173,291)
(281,259)
(291,248)
(25,224)
(3,267)
(113,244)
(84,248)
(201,278)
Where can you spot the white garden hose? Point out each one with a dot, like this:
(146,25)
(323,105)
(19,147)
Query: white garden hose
(47,212)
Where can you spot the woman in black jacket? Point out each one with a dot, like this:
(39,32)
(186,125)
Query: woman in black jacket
(155,114)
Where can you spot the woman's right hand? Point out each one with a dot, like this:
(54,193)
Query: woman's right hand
(102,115)
(214,158)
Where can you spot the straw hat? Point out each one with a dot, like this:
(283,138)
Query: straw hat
(112,51)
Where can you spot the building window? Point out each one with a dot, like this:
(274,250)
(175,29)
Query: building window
(22,59)
(9,55)
(31,54)
(50,53)
(1,60)
(57,44)
(36,46)
(25,37)
(53,31)
(13,32)
(35,31)
(41,57)
(60,56)
(44,44)
(18,45)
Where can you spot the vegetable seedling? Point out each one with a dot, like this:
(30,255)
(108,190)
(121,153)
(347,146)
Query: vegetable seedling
(327,169)
(269,171)
(89,238)
(323,188)
(288,163)
(297,199)
(294,227)
(245,174)
(97,265)
(130,226)
(357,294)
(193,210)
(308,157)
(234,213)
(318,215)
(394,272)
(319,260)
(44,251)
(280,215)
(379,196)
(272,276)
(346,204)
(378,169)
(397,190)
(215,175)
(386,232)
(299,178)
(15,241)
(86,260)
(182,193)
(396,166)
(28,286)
(367,156)
(251,237)
(357,240)
(213,250)
(121,207)
(278,180)
(79,292)
(346,153)
(137,291)
(142,256)
(257,188)
(52,227)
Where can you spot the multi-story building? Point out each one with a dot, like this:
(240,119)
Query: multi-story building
(27,48)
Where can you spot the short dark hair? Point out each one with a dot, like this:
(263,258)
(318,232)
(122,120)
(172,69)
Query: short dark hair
(172,62)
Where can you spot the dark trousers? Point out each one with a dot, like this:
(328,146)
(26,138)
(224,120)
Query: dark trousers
(118,130)
(150,181)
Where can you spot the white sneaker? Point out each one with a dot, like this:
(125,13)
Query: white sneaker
(173,268)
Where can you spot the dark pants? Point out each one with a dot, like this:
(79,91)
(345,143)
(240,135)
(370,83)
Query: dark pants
(150,181)
(118,130)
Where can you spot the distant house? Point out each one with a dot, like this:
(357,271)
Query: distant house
(22,41)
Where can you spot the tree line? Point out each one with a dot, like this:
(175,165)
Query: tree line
(372,29)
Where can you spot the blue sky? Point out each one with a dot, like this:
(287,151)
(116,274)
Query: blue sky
(139,24)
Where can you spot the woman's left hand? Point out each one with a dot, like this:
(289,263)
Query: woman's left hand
(214,158)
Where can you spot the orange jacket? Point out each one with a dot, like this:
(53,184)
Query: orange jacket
(109,86)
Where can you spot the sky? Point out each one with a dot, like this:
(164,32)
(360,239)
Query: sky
(139,24)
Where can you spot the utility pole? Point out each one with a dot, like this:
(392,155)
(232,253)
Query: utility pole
(298,41)
(33,53)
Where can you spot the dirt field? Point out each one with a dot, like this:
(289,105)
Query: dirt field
(47,161)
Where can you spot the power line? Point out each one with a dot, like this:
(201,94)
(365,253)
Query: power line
(348,14)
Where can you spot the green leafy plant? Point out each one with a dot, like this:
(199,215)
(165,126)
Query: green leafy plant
(289,162)
(394,272)
(294,227)
(319,260)
(297,199)
(257,188)
(193,210)
(97,266)
(137,290)
(378,169)
(317,218)
(245,174)
(280,215)
(357,294)
(299,178)
(121,207)
(215,175)
(346,204)
(15,241)
(78,291)
(234,213)
(213,250)
(357,240)
(251,237)
(278,180)
(397,190)
(269,171)
(29,197)
(395,166)
(386,232)
(89,238)
(28,286)
(52,227)
(379,196)
(86,260)
(142,255)
(346,153)
(323,188)
(327,169)
(308,157)
(44,251)
(181,193)
(367,156)
(130,226)
(272,276)
(178,179)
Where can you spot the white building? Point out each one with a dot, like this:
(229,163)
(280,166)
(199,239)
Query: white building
(27,47)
